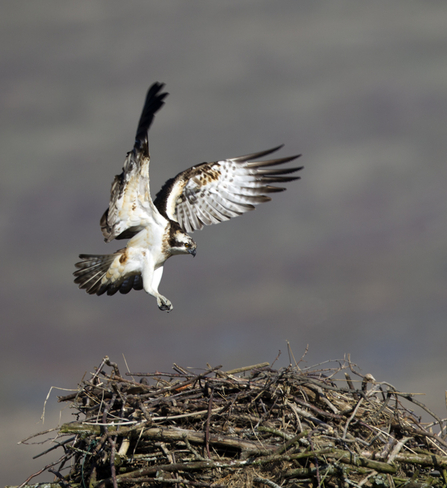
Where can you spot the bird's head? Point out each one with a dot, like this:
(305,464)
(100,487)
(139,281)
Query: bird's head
(180,242)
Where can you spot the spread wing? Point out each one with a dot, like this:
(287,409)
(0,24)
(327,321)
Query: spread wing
(130,204)
(210,193)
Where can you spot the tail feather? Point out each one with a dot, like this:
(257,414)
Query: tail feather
(93,268)
(91,271)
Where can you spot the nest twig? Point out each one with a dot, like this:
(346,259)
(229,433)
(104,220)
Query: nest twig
(250,427)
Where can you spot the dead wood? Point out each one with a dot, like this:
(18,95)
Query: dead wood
(249,427)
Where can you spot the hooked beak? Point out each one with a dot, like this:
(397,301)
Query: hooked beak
(192,251)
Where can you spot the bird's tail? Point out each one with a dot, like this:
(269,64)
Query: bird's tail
(93,269)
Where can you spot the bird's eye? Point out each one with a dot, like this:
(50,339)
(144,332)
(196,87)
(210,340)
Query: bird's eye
(187,244)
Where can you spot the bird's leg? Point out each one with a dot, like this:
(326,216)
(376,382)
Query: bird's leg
(163,302)
(151,280)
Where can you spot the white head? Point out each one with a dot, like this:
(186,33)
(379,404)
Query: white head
(179,242)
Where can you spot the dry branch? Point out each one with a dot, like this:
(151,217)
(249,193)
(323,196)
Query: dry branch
(249,427)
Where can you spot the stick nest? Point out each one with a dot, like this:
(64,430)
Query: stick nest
(251,427)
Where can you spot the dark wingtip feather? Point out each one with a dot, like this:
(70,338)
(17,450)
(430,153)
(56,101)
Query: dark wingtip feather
(261,154)
(152,104)
(272,162)
(279,171)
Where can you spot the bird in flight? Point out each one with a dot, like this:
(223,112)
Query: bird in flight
(204,194)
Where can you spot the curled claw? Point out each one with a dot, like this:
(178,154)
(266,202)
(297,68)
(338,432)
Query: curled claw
(164,304)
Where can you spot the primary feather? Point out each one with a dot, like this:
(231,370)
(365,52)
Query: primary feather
(210,193)
(130,204)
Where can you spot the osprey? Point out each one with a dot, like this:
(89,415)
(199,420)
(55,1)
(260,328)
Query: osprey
(205,194)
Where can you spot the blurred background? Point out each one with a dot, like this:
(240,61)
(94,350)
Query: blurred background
(350,260)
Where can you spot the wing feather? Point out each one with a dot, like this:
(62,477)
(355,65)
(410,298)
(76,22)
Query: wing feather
(130,204)
(210,193)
